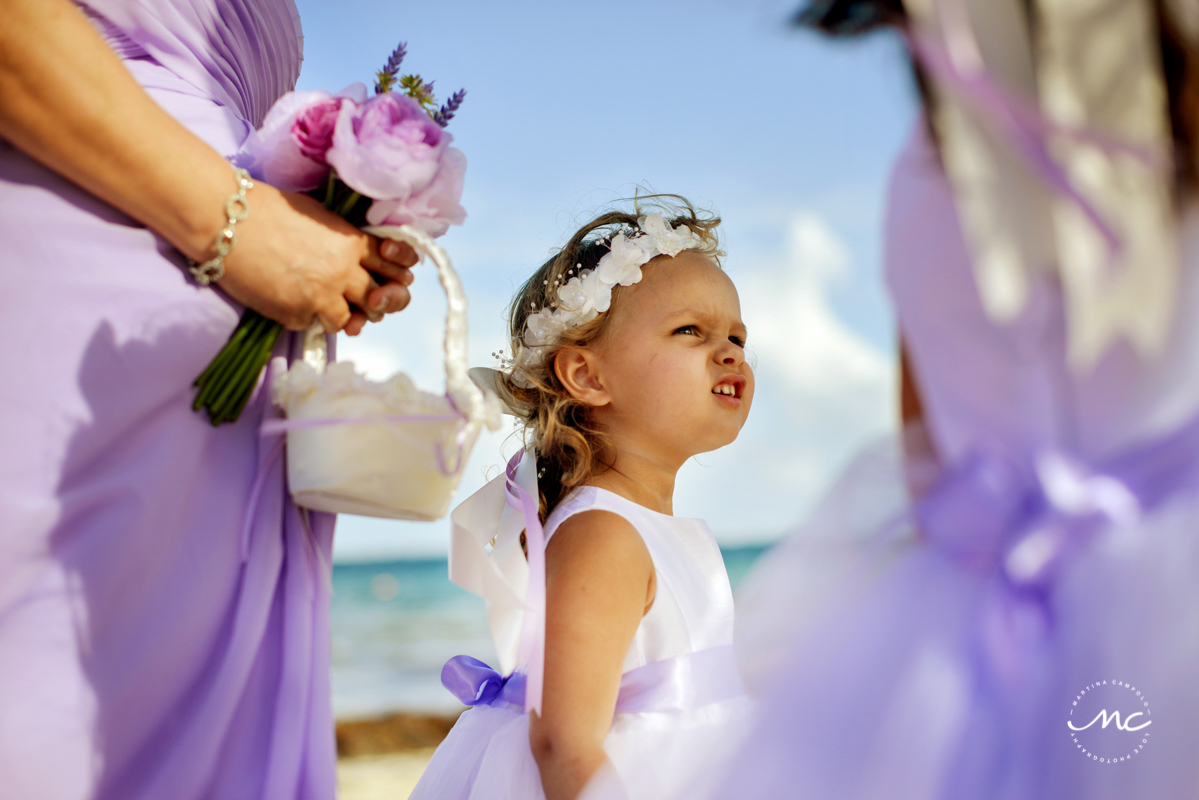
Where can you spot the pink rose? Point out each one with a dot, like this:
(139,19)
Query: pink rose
(287,150)
(389,150)
(313,129)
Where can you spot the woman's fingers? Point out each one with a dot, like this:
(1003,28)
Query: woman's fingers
(357,286)
(399,253)
(388,298)
(334,316)
(389,270)
(357,322)
(390,259)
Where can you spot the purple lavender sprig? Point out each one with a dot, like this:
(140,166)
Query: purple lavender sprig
(443,115)
(386,77)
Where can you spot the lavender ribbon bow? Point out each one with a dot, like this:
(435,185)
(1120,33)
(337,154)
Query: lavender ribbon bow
(989,511)
(477,684)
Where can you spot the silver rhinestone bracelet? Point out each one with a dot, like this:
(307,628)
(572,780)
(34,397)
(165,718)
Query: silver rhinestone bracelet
(237,208)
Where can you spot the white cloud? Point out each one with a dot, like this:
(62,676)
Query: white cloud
(794,329)
(822,390)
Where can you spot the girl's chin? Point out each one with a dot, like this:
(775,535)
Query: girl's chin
(714,437)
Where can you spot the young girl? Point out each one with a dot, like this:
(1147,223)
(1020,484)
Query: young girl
(628,359)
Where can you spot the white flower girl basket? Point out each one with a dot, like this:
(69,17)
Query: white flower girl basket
(357,446)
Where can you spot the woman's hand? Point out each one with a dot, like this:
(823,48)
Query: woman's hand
(297,263)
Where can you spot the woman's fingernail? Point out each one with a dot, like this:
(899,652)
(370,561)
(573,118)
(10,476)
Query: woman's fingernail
(379,304)
(390,249)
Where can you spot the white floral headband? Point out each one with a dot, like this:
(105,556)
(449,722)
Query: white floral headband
(585,296)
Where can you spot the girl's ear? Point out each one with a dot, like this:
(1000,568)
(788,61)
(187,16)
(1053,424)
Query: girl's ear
(578,370)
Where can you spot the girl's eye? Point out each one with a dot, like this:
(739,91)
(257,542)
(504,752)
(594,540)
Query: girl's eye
(737,340)
(689,330)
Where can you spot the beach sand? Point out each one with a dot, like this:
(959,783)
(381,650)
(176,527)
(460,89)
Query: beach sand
(382,758)
(387,776)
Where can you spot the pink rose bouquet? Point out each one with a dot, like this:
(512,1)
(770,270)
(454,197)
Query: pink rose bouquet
(383,160)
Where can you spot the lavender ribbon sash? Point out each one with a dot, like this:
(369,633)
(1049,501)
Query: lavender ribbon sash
(682,683)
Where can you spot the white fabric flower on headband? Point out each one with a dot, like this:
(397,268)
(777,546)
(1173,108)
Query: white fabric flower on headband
(584,297)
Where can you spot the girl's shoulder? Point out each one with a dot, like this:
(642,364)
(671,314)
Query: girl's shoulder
(593,498)
(584,499)
(650,525)
(598,544)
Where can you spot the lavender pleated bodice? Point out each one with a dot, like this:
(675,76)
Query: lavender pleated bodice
(243,54)
(163,604)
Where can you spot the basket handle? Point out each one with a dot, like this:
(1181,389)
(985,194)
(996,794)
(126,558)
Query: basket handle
(459,387)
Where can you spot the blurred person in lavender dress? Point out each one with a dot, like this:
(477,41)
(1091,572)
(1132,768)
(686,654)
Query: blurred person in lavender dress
(160,635)
(1002,601)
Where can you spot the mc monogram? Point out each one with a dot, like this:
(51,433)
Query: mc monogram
(1124,726)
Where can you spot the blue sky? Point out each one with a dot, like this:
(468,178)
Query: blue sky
(571,106)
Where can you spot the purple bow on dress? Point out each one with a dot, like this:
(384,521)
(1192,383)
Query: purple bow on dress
(990,511)
(477,684)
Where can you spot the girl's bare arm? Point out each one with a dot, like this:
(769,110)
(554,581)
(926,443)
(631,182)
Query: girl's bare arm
(599,583)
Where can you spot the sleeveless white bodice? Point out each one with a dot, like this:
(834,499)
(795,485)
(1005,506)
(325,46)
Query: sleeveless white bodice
(693,603)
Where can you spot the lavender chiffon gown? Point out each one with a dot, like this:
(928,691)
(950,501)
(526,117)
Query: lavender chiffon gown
(160,637)
(941,649)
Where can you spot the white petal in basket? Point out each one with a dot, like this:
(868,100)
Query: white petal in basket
(356,446)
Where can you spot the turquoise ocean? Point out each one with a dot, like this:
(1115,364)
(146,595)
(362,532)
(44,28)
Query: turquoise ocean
(396,623)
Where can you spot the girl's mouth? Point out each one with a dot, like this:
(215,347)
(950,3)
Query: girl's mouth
(728,389)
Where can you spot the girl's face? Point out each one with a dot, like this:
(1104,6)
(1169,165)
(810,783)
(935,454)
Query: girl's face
(672,361)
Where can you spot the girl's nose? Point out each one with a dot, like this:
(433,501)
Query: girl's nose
(730,355)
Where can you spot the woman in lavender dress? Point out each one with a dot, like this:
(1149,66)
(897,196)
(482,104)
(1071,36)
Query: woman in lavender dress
(160,635)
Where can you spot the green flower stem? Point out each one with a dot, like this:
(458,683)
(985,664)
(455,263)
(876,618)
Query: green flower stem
(210,369)
(242,382)
(272,338)
(227,360)
(222,359)
(226,385)
(348,204)
(243,372)
(257,361)
(330,187)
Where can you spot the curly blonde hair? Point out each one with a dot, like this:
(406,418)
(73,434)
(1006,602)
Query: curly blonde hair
(571,448)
